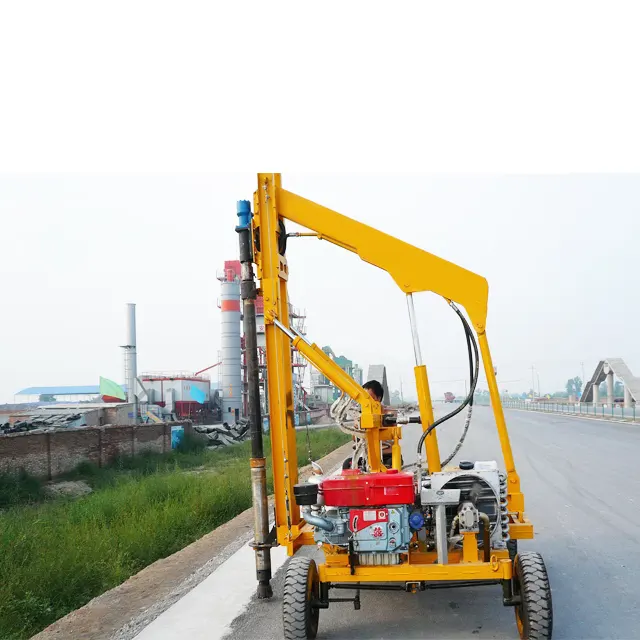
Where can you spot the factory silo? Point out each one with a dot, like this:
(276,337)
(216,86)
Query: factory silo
(231,389)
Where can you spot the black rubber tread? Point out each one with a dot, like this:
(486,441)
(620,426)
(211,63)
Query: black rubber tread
(300,620)
(536,610)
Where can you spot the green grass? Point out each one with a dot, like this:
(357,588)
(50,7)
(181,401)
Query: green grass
(58,555)
(19,489)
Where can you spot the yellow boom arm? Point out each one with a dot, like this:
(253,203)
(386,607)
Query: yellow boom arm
(371,419)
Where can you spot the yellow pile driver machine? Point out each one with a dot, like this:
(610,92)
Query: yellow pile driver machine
(378,527)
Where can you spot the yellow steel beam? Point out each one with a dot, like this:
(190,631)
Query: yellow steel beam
(321,361)
(497,569)
(521,530)
(427,419)
(273,283)
(412,269)
(469,547)
(515,497)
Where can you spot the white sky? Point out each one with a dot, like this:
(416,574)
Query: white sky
(559,253)
(108,111)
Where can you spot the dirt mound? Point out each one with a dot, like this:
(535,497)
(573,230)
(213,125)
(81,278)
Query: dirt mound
(68,488)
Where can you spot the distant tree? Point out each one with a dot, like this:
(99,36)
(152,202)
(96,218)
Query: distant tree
(574,386)
(577,384)
(47,397)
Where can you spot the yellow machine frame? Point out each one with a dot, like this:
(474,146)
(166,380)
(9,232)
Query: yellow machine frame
(413,270)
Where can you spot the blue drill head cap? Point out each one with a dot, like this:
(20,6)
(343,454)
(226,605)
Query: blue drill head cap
(416,520)
(244,214)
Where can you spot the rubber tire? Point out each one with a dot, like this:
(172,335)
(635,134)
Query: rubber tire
(512,547)
(301,586)
(534,615)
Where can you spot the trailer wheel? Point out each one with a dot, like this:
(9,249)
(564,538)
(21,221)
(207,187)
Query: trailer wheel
(534,614)
(301,591)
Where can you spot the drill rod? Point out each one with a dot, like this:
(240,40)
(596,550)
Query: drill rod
(258,464)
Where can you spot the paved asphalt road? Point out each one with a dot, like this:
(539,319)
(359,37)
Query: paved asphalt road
(581,480)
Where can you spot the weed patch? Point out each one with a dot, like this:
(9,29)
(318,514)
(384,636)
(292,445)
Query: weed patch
(56,555)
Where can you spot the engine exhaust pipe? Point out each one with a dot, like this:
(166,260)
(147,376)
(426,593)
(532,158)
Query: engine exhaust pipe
(486,535)
(318,521)
(248,294)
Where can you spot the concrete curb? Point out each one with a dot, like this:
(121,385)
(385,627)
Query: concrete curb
(122,612)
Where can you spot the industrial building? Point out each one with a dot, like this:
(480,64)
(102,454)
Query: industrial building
(322,388)
(176,392)
(85,393)
(152,396)
(185,394)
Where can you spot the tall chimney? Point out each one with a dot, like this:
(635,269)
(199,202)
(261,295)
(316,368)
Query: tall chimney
(231,392)
(131,359)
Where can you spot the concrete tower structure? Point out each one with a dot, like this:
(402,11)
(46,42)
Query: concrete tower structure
(231,389)
(131,359)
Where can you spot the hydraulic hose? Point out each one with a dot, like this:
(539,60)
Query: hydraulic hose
(467,421)
(474,366)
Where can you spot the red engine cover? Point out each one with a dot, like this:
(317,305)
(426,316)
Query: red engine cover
(356,489)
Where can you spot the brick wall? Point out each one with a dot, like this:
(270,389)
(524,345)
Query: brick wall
(55,452)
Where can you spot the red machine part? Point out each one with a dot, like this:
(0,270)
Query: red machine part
(364,518)
(356,489)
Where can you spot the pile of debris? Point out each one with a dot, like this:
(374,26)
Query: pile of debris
(224,434)
(43,422)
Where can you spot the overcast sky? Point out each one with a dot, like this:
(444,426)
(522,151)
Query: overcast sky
(560,254)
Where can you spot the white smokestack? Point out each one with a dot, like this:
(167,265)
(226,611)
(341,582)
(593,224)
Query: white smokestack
(131,359)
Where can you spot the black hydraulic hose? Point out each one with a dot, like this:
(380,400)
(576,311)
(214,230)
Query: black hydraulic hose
(473,369)
(471,362)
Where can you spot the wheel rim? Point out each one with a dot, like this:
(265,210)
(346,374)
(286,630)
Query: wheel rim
(519,609)
(313,593)
(534,612)
(519,621)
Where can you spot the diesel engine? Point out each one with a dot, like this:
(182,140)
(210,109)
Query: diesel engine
(377,516)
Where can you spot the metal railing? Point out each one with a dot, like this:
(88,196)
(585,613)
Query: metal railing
(587,409)
(176,375)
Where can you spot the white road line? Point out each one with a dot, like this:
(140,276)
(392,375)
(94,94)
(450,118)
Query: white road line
(209,609)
